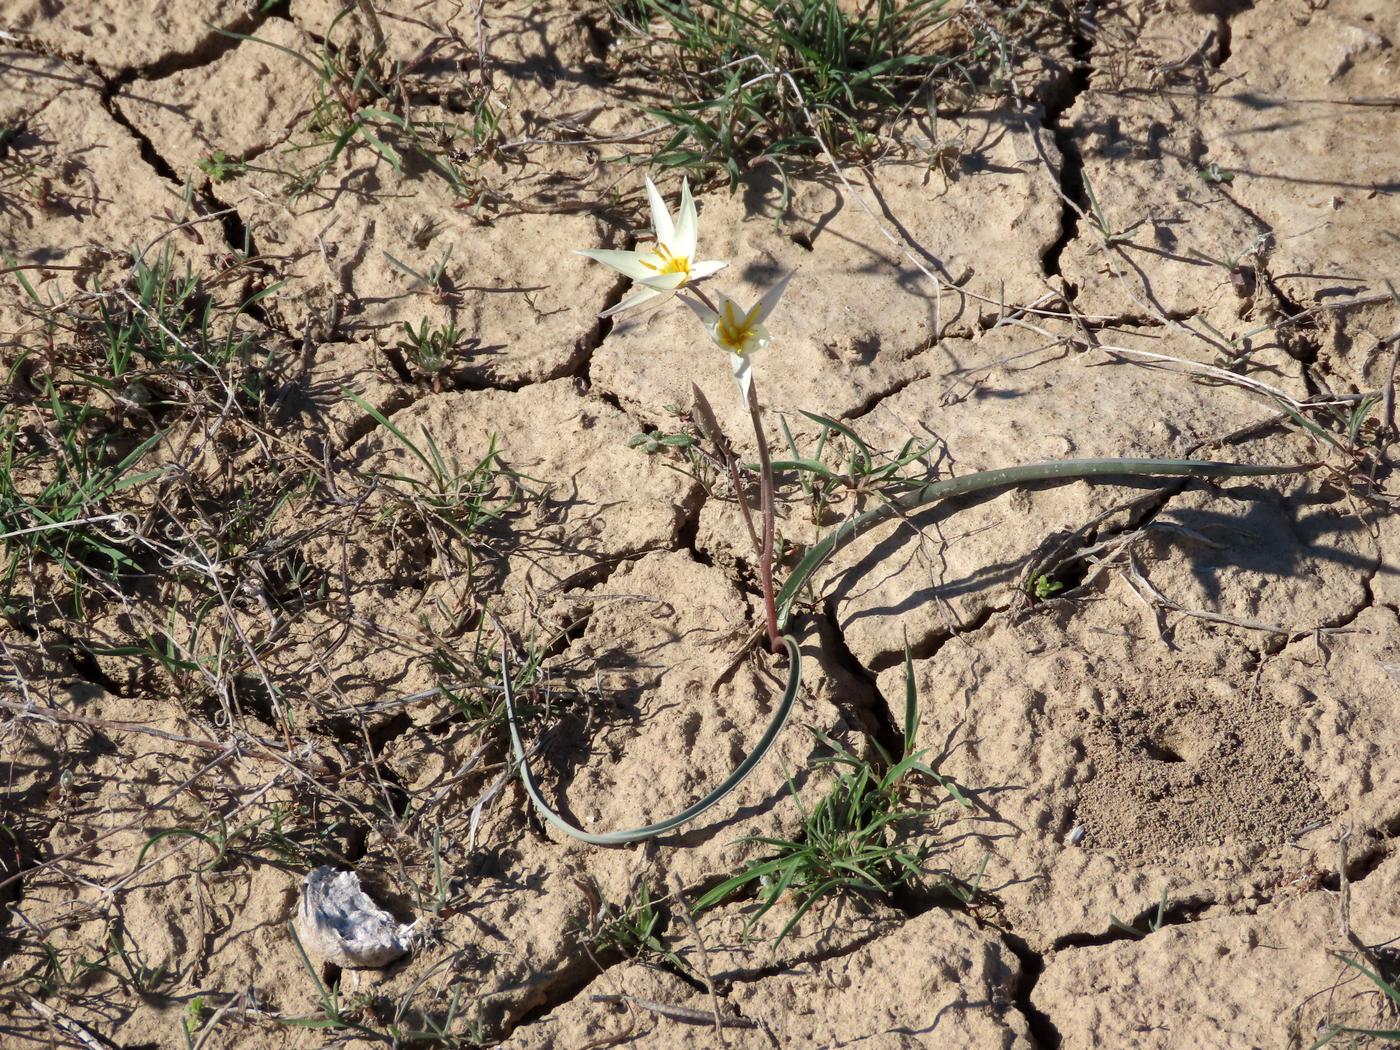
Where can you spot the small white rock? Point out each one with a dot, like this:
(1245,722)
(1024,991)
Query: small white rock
(1350,43)
(1075,835)
(338,923)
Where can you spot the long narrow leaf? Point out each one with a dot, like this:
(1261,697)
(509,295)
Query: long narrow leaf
(617,838)
(1009,477)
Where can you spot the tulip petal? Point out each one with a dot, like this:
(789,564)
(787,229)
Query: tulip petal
(687,224)
(728,307)
(640,294)
(769,302)
(700,270)
(743,375)
(666,282)
(707,316)
(629,263)
(757,340)
(660,216)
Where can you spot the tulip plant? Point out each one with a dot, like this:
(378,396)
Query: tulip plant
(668,267)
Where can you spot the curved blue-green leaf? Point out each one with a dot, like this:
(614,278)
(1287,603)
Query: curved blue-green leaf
(618,838)
(1007,477)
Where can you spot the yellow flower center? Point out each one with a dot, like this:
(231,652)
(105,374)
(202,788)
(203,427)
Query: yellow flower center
(669,263)
(733,331)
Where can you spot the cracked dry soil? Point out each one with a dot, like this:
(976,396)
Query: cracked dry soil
(1169,210)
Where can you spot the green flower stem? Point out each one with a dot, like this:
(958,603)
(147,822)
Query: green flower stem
(1008,477)
(619,838)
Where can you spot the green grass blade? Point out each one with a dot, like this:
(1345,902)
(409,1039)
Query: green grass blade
(809,466)
(911,699)
(1390,991)
(217,845)
(383,420)
(867,457)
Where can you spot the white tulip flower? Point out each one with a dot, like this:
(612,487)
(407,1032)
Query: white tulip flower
(665,266)
(739,331)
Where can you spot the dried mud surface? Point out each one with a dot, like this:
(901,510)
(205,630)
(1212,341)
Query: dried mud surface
(1181,762)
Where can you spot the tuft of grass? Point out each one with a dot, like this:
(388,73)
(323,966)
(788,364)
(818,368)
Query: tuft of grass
(114,366)
(1387,988)
(631,930)
(165,321)
(360,100)
(65,516)
(853,840)
(759,80)
(431,349)
(461,500)
(124,963)
(730,110)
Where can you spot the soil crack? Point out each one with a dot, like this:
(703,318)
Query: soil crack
(878,397)
(1043,1031)
(149,153)
(872,710)
(929,647)
(235,229)
(1071,173)
(211,48)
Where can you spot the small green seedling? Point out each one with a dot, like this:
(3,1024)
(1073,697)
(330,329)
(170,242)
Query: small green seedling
(220,167)
(192,1019)
(1098,218)
(435,281)
(1154,924)
(1215,174)
(632,930)
(654,443)
(431,349)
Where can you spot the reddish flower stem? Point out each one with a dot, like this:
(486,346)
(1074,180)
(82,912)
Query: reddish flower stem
(765,503)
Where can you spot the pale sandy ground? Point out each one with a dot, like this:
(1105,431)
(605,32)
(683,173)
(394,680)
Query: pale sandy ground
(1246,763)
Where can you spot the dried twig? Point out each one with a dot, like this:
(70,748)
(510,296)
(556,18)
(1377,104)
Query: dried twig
(676,1013)
(66,1025)
(678,893)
